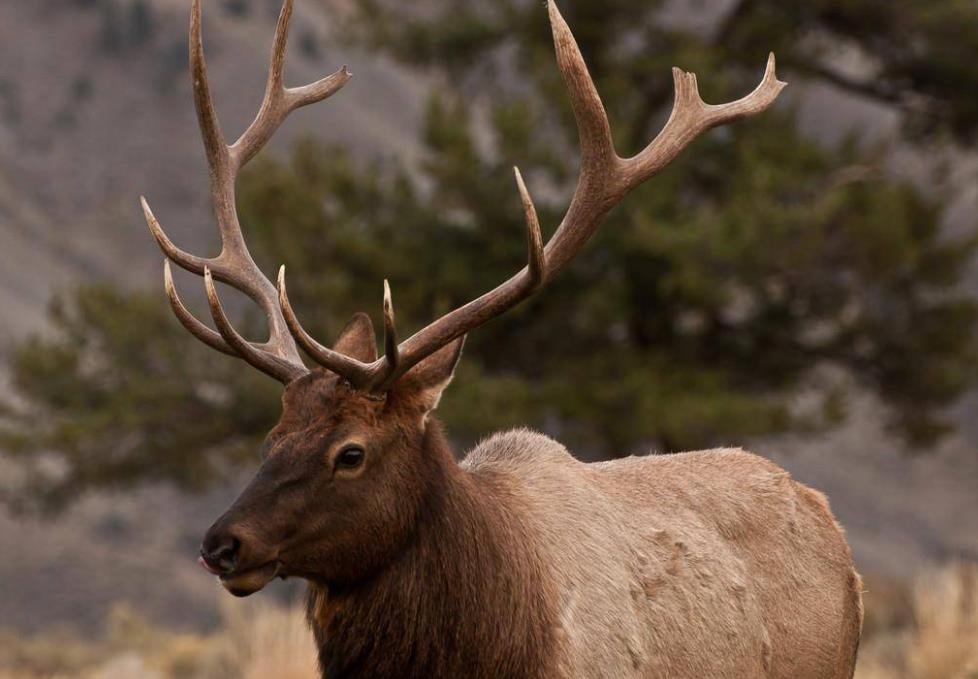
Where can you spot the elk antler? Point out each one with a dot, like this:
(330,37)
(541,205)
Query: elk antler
(278,356)
(604,180)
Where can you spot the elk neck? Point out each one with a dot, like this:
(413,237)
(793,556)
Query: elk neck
(465,596)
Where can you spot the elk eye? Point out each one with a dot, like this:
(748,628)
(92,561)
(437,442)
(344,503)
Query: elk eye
(350,457)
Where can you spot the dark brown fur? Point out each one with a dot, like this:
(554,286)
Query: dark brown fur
(416,567)
(464,598)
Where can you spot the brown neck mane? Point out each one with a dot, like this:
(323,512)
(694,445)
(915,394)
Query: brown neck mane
(464,598)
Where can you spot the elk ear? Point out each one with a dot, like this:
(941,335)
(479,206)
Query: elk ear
(426,381)
(357,339)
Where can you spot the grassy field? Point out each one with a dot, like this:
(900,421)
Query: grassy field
(927,629)
(256,641)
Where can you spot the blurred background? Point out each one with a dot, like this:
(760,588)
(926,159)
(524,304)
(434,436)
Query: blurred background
(803,284)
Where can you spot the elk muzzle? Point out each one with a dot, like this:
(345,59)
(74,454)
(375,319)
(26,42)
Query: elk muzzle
(237,559)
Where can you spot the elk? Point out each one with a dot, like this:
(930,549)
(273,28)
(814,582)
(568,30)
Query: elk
(519,561)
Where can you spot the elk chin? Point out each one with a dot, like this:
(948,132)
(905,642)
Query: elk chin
(250,581)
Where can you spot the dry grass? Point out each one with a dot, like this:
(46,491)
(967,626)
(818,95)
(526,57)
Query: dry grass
(930,631)
(927,630)
(256,641)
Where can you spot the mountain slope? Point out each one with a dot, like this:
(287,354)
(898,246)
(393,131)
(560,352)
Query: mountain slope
(87,125)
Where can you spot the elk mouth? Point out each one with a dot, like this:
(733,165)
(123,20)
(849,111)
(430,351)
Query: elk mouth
(247,582)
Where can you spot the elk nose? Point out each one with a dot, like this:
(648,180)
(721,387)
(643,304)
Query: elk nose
(219,553)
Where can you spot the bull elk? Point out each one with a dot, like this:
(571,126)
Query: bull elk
(519,561)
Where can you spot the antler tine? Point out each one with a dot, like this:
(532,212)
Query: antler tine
(191,263)
(594,130)
(399,358)
(691,116)
(280,101)
(392,354)
(388,368)
(210,126)
(604,180)
(276,68)
(534,239)
(188,320)
(360,375)
(280,368)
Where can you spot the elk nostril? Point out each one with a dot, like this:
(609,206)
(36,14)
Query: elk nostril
(227,555)
(221,557)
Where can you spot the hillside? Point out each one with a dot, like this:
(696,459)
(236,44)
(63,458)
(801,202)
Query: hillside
(88,122)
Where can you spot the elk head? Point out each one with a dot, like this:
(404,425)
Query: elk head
(344,476)
(349,466)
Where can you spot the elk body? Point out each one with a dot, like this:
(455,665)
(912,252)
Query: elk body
(520,561)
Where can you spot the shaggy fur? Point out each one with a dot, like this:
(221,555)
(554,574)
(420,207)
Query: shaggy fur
(467,596)
(532,564)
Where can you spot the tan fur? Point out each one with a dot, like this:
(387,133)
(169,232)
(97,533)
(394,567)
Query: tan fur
(702,564)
